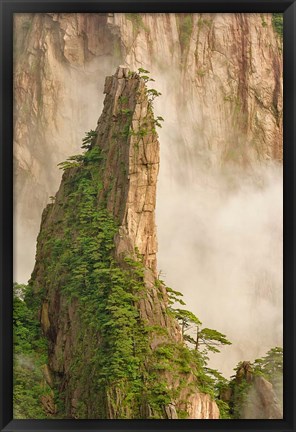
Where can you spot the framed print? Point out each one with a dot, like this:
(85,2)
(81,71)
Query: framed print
(147,209)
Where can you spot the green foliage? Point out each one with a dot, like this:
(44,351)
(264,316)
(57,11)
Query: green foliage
(152,94)
(209,338)
(240,392)
(146,76)
(204,22)
(224,410)
(137,21)
(94,154)
(123,100)
(185,29)
(28,388)
(123,106)
(174,296)
(89,138)
(271,364)
(126,111)
(278,22)
(71,162)
(212,338)
(271,368)
(219,382)
(26,329)
(30,354)
(141,70)
(84,265)
(201,72)
(209,381)
(186,318)
(112,352)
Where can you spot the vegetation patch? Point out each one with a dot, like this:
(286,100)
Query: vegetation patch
(185,29)
(137,21)
(278,22)
(111,364)
(30,356)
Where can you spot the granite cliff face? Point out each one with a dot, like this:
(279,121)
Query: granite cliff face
(96,273)
(231,93)
(221,84)
(260,400)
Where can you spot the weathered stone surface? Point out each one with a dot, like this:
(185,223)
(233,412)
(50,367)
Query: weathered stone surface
(233,101)
(228,72)
(48,404)
(262,402)
(129,193)
(201,406)
(128,177)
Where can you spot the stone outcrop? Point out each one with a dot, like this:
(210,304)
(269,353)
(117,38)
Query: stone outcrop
(201,406)
(227,68)
(260,400)
(228,71)
(127,169)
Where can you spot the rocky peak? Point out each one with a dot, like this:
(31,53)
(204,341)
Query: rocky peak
(204,61)
(127,133)
(104,311)
(260,400)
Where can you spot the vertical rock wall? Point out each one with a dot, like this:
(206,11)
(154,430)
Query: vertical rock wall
(221,81)
(225,68)
(125,174)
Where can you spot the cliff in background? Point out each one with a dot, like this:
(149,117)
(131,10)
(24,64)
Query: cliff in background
(221,81)
(227,70)
(115,349)
(251,395)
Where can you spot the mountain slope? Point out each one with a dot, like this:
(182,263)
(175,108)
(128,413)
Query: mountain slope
(115,348)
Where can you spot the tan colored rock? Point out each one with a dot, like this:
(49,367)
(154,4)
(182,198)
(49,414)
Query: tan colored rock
(201,406)
(131,198)
(261,402)
(47,375)
(48,404)
(228,73)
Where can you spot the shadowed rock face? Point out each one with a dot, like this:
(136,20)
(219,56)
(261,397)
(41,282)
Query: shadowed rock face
(261,401)
(265,404)
(126,168)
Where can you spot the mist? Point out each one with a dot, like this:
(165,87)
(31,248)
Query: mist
(220,230)
(72,117)
(219,225)
(222,247)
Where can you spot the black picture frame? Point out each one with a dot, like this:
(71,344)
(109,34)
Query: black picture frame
(7,9)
